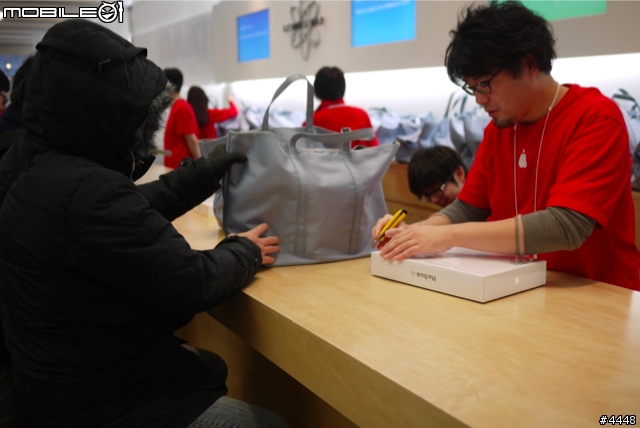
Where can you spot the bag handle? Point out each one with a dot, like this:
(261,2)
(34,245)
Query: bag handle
(289,80)
(337,138)
(452,104)
(621,94)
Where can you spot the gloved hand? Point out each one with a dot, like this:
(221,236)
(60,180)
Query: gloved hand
(221,161)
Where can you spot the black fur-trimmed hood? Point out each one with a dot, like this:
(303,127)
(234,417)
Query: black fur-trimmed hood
(90,92)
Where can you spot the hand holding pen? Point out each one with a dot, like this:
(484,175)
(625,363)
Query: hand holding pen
(386,223)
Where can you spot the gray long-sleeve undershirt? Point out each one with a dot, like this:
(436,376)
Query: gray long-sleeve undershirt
(552,229)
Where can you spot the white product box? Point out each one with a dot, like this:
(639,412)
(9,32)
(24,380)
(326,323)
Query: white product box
(205,208)
(470,274)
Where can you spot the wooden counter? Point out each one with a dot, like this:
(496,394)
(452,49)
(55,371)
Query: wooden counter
(356,350)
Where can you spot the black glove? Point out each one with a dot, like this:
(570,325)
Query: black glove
(221,161)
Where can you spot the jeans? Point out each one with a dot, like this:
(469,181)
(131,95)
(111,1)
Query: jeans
(231,413)
(228,412)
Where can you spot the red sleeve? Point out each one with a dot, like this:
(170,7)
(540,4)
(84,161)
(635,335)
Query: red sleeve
(185,120)
(217,115)
(593,165)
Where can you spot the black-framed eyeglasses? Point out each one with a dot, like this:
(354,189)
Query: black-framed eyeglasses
(436,194)
(5,98)
(482,88)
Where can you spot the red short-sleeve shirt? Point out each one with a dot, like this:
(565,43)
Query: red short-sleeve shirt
(335,115)
(584,166)
(181,122)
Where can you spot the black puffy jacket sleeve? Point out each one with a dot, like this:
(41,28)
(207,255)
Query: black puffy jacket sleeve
(178,191)
(119,239)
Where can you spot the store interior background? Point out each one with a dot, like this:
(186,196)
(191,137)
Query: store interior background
(408,78)
(199,37)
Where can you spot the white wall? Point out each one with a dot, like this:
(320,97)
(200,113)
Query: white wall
(407,77)
(616,31)
(434,20)
(423,90)
(147,16)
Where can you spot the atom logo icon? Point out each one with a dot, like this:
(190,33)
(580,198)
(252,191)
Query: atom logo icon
(303,29)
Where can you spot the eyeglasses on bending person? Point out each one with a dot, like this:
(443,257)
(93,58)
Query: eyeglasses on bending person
(436,194)
(482,88)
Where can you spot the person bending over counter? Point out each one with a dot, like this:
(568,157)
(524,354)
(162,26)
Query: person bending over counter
(181,132)
(552,175)
(332,113)
(436,174)
(95,279)
(208,117)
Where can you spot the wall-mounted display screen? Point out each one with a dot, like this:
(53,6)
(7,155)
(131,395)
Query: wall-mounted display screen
(554,10)
(379,21)
(253,36)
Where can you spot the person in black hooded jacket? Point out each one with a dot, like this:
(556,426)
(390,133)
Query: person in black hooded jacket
(93,277)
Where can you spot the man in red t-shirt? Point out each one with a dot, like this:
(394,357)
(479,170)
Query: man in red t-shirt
(552,174)
(180,135)
(333,114)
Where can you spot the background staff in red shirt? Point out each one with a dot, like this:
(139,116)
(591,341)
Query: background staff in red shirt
(552,175)
(333,114)
(208,117)
(181,133)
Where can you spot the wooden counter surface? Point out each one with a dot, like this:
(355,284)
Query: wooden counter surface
(385,354)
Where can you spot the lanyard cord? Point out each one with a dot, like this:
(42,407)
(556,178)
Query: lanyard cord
(515,182)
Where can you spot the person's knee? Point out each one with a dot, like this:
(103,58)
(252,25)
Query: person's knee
(213,361)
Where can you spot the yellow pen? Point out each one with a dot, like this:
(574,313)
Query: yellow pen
(393,222)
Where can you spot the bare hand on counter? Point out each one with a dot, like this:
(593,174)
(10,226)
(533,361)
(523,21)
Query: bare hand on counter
(415,239)
(268,244)
(375,232)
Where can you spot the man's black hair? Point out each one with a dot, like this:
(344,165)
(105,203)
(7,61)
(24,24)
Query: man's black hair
(432,166)
(329,83)
(496,37)
(175,77)
(20,82)
(4,82)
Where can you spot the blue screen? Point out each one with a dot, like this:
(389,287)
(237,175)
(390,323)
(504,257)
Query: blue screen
(253,36)
(376,22)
